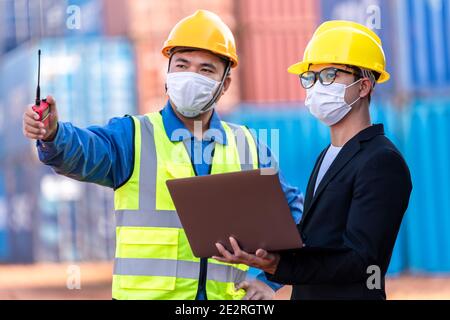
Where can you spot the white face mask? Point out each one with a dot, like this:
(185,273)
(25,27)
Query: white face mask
(190,92)
(327,103)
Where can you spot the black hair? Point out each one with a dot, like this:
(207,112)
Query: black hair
(224,60)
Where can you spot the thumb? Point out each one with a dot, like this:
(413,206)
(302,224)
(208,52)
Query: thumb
(51,101)
(261,253)
(53,112)
(242,285)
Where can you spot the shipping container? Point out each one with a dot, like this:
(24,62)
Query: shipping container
(378,15)
(115,17)
(272,35)
(415,36)
(427,151)
(93,80)
(21,196)
(25,20)
(47,217)
(4,247)
(77,220)
(18,88)
(84,17)
(423,43)
(149,18)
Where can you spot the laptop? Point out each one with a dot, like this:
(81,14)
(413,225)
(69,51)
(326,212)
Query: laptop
(248,205)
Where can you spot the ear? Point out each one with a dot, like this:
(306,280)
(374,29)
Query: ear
(366,88)
(226,84)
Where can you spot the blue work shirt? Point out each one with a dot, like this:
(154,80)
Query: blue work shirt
(104,155)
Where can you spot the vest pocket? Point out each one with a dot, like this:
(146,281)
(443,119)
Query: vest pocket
(148,242)
(147,283)
(147,258)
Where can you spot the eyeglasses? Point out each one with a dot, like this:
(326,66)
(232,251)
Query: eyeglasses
(326,76)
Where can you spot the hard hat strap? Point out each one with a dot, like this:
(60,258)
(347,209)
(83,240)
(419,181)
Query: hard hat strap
(219,89)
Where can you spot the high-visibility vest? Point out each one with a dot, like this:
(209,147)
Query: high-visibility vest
(153,257)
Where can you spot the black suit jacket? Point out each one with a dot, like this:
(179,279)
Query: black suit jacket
(350,223)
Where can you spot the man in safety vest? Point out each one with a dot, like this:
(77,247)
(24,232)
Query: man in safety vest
(137,155)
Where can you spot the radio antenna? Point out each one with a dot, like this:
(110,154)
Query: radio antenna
(38,88)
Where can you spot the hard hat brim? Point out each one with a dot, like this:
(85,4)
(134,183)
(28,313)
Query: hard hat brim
(167,52)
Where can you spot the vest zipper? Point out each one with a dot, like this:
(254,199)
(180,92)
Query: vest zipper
(203,261)
(202,278)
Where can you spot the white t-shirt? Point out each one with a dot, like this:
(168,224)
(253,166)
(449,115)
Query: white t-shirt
(331,154)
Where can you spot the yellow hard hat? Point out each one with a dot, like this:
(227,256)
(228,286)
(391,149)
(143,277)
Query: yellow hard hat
(203,30)
(344,42)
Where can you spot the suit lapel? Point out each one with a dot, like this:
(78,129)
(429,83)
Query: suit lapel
(346,154)
(350,149)
(312,180)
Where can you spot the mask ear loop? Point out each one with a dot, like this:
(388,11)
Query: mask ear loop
(219,89)
(350,85)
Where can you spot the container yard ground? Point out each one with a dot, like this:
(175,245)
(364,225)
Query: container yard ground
(48,281)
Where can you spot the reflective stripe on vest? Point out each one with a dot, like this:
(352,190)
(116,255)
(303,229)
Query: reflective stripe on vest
(152,251)
(182,269)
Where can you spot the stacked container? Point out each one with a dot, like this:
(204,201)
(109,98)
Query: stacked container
(93,80)
(273,35)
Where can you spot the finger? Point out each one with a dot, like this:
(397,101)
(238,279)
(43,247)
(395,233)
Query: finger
(249,295)
(243,285)
(224,252)
(221,259)
(52,105)
(33,123)
(30,113)
(237,250)
(234,245)
(257,296)
(34,136)
(33,130)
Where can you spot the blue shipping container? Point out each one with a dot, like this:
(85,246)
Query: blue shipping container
(93,80)
(25,20)
(4,252)
(415,36)
(375,14)
(423,42)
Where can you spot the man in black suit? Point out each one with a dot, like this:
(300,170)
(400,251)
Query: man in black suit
(360,186)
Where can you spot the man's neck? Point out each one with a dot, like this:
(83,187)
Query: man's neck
(356,121)
(194,124)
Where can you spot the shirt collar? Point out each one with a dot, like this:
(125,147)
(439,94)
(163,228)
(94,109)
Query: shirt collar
(172,125)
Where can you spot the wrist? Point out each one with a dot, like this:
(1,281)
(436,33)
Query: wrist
(52,135)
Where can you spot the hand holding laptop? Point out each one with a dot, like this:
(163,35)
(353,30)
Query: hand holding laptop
(262,259)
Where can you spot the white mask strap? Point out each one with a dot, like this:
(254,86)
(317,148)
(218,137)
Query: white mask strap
(350,85)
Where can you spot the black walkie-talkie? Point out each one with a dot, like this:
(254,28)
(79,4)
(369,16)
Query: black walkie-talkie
(41,107)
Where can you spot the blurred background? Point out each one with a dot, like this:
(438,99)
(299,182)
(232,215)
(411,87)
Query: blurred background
(102,58)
